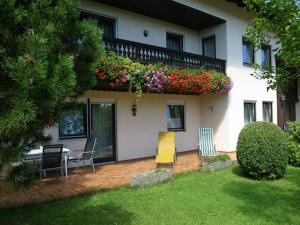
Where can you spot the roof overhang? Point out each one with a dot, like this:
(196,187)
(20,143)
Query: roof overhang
(169,11)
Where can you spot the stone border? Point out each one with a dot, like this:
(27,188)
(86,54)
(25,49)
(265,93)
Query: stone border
(213,166)
(150,178)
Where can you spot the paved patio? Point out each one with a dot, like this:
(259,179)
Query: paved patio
(84,180)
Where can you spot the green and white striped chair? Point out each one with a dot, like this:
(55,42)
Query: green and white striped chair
(206,142)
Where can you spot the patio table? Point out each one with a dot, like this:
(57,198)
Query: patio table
(37,154)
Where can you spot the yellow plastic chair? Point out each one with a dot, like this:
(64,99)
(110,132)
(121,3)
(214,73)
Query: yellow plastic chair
(166,150)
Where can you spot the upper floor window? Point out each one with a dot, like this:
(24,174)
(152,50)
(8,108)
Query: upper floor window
(266,56)
(108,25)
(72,122)
(248,52)
(249,112)
(267,112)
(209,47)
(175,42)
(175,117)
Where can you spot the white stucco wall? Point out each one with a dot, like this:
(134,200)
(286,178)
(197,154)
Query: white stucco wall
(130,26)
(245,87)
(137,135)
(224,113)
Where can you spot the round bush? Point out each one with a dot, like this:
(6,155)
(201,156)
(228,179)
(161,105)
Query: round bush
(262,150)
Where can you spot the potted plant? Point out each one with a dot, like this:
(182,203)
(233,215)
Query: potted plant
(151,177)
(215,163)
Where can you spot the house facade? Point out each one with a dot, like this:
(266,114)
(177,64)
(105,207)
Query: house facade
(211,31)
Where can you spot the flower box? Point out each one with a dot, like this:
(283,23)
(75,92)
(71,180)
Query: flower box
(150,178)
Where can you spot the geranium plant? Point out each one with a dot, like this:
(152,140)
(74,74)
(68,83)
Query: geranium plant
(120,71)
(155,79)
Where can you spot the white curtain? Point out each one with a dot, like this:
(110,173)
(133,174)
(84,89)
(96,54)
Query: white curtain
(267,111)
(249,113)
(102,129)
(174,43)
(247,53)
(265,56)
(175,117)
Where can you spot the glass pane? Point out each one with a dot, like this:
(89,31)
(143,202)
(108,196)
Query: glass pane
(175,117)
(102,129)
(107,24)
(267,111)
(247,53)
(72,121)
(209,47)
(108,29)
(174,42)
(265,56)
(249,113)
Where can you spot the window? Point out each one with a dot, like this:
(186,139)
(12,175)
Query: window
(248,52)
(266,56)
(249,112)
(267,112)
(175,42)
(175,117)
(72,122)
(209,47)
(108,25)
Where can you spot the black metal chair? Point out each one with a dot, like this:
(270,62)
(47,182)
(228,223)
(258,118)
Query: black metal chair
(51,159)
(86,155)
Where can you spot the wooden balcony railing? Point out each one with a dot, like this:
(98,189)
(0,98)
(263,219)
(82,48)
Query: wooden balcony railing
(145,53)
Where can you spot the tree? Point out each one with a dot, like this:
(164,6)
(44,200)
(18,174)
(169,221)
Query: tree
(281,20)
(46,54)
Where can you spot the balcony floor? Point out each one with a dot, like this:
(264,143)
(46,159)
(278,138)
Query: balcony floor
(84,180)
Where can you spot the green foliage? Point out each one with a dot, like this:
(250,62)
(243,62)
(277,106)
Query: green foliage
(221,157)
(158,170)
(46,54)
(262,150)
(21,177)
(278,19)
(294,143)
(121,71)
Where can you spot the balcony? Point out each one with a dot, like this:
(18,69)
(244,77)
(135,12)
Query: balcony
(145,53)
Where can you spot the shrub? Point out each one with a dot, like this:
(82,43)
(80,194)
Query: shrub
(211,159)
(262,150)
(21,177)
(294,143)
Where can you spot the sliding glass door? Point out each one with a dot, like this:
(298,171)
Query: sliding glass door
(103,128)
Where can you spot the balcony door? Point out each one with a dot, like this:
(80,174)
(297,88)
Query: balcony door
(103,128)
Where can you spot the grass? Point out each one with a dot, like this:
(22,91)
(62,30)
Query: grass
(222,197)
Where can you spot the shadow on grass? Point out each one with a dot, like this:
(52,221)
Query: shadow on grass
(274,201)
(77,214)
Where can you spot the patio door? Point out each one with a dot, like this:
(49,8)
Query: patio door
(103,128)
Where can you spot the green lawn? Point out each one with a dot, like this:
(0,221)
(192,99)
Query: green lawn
(221,197)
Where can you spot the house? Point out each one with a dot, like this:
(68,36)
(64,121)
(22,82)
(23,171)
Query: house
(211,32)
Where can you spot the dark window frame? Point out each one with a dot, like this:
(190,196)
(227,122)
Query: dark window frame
(255,111)
(267,102)
(269,47)
(105,19)
(247,42)
(173,35)
(183,118)
(215,47)
(85,121)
